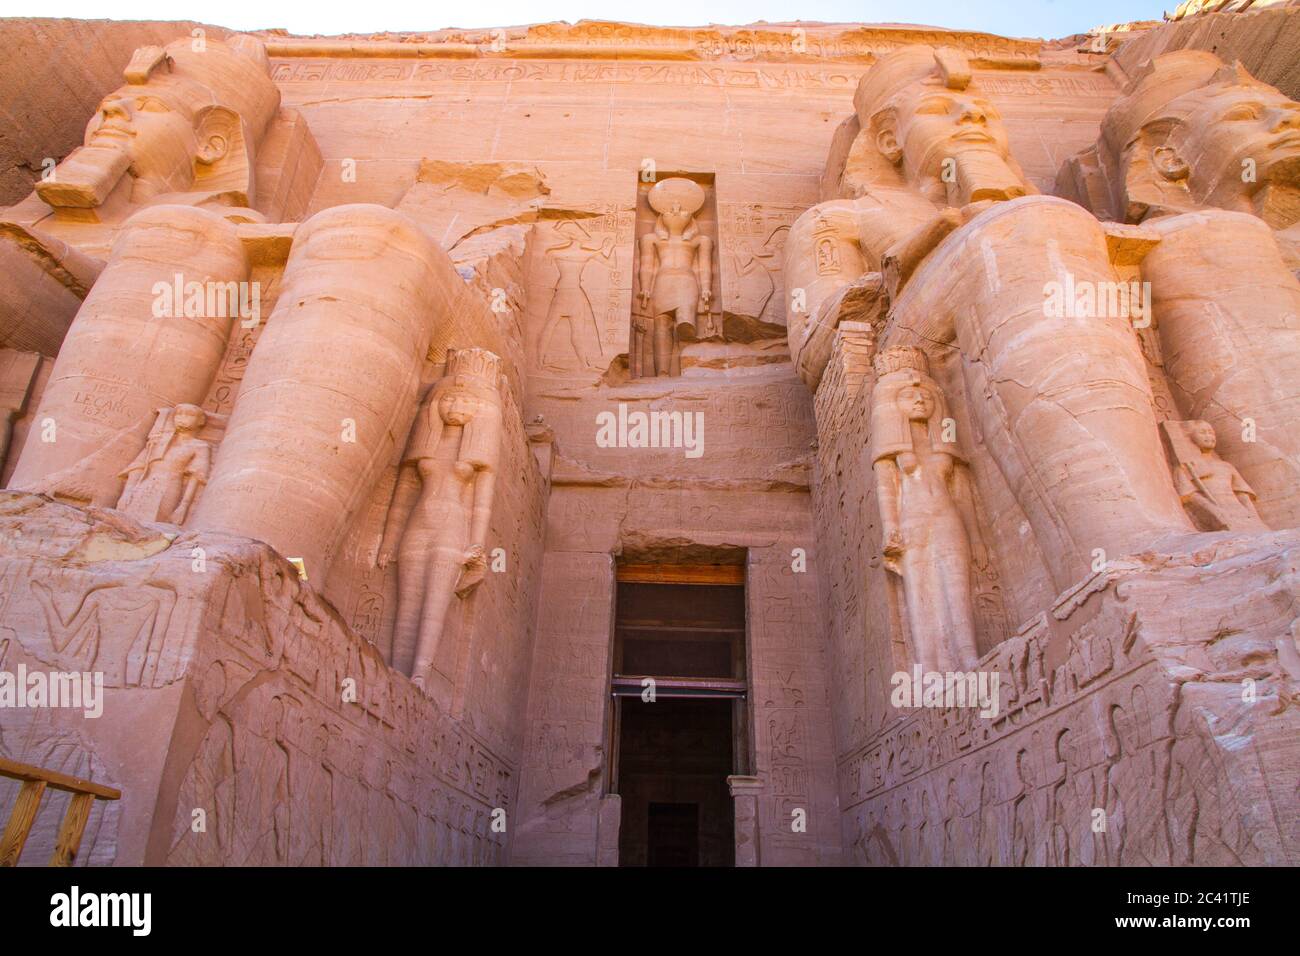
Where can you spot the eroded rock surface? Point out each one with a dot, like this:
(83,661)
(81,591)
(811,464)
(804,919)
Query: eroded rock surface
(404,429)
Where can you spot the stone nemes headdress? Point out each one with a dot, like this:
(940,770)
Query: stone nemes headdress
(891,433)
(477,372)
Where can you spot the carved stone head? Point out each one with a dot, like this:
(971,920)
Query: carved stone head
(469,385)
(904,394)
(187,120)
(923,117)
(1185,440)
(676,200)
(1202,433)
(468,396)
(189,418)
(1192,132)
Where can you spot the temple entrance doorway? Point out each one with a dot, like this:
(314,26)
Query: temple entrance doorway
(680,719)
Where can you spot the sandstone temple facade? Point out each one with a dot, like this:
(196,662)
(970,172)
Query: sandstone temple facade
(605,445)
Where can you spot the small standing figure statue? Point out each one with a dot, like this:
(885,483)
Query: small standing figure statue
(1215,495)
(926,508)
(172,468)
(676,279)
(438,520)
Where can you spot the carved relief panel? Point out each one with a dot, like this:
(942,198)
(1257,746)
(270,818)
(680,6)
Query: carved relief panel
(579,277)
(754,298)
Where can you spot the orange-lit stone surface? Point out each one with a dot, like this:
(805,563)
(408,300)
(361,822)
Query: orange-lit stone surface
(345,379)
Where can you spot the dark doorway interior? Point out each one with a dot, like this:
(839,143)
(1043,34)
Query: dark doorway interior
(679,639)
(674,758)
(673,834)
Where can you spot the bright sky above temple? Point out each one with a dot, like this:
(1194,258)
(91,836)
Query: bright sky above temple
(1030,18)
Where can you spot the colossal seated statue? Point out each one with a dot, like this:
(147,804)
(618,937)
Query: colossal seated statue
(332,386)
(124,357)
(928,144)
(365,307)
(1208,159)
(1191,132)
(965,256)
(184,128)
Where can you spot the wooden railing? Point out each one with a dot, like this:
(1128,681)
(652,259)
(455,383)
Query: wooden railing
(35,781)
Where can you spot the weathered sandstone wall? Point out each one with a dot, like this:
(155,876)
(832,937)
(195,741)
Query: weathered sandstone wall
(471,247)
(233,689)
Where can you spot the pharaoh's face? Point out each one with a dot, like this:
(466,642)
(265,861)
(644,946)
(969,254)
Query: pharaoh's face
(916,403)
(1237,139)
(1203,434)
(457,406)
(160,140)
(951,136)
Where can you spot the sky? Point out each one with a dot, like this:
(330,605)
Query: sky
(1018,18)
